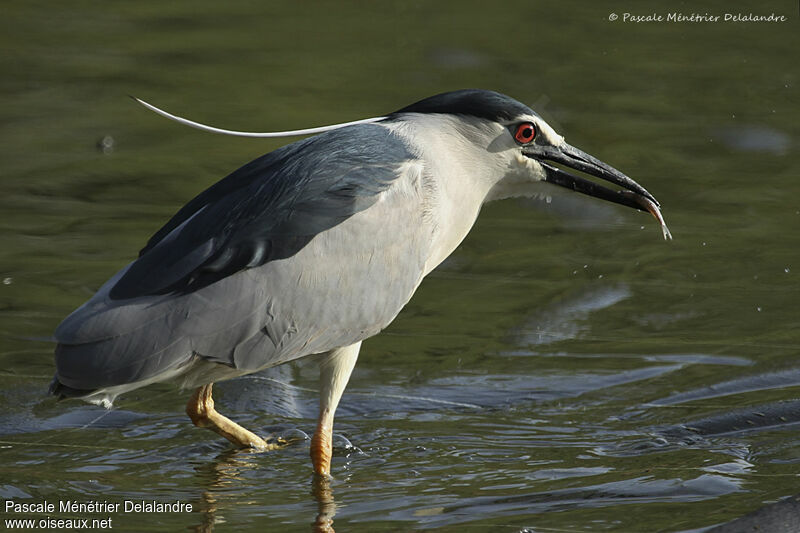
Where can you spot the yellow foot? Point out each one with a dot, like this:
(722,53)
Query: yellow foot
(201,410)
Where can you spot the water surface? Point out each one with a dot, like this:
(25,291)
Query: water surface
(565,370)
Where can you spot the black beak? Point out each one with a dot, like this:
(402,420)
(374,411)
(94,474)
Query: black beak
(634,195)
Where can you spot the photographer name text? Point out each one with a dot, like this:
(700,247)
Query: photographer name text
(76,510)
(676,17)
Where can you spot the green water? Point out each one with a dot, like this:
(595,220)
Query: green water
(565,370)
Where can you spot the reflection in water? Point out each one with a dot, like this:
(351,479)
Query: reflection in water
(209,513)
(753,138)
(326,506)
(226,472)
(566,319)
(223,472)
(702,487)
(747,383)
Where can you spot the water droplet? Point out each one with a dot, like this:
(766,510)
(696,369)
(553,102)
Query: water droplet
(106,144)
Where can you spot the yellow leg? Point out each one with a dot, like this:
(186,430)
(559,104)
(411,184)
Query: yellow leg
(335,370)
(201,410)
(322,449)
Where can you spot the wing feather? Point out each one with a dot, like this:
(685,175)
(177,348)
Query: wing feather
(268,209)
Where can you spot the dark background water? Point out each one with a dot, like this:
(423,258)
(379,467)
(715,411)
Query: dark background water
(565,370)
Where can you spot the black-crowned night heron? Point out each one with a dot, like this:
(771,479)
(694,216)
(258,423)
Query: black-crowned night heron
(311,249)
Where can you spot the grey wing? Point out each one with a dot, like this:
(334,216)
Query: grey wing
(267,210)
(283,258)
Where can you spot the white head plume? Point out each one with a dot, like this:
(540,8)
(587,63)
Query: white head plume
(290,133)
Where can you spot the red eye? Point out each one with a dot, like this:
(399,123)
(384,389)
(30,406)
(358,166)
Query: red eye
(525,133)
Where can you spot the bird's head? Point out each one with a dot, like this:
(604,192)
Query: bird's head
(518,151)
